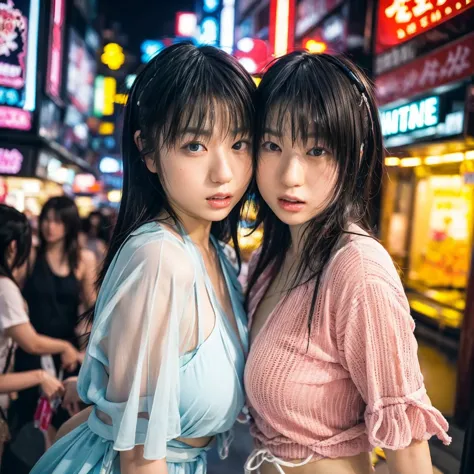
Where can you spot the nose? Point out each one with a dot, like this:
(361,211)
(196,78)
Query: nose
(221,170)
(292,173)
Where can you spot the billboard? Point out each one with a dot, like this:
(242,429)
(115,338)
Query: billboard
(18,62)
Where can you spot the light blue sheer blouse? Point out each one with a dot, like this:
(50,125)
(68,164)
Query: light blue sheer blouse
(139,370)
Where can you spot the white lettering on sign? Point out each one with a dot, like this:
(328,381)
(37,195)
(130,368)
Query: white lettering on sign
(407,118)
(10,161)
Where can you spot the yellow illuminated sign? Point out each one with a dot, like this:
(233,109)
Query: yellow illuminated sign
(114,196)
(106,128)
(315,47)
(110,91)
(113,56)
(121,99)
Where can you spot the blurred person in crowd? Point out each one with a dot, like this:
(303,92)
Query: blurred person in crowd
(96,231)
(59,278)
(333,369)
(165,360)
(15,326)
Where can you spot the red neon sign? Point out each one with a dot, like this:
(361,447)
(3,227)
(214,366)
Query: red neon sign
(186,23)
(449,64)
(54,72)
(281,29)
(401,20)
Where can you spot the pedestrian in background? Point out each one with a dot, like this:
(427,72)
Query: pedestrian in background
(15,326)
(59,278)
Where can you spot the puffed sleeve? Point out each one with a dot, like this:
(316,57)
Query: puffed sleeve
(379,349)
(131,371)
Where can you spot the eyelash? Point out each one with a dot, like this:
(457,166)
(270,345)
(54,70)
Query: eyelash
(186,147)
(266,146)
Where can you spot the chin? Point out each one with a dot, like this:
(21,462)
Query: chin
(291,218)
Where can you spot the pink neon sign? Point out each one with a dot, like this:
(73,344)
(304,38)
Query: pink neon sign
(54,73)
(17,119)
(10,161)
(12,33)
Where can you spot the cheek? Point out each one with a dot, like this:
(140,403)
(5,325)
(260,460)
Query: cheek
(180,178)
(323,181)
(265,171)
(242,169)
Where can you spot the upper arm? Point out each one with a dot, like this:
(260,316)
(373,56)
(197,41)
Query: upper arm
(12,307)
(379,350)
(88,277)
(139,316)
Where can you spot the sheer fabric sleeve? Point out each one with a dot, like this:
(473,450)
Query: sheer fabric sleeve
(379,349)
(137,338)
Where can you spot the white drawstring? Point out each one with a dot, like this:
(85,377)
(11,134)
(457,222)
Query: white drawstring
(259,456)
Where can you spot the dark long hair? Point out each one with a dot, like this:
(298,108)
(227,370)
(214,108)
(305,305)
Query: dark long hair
(66,210)
(330,97)
(180,86)
(14,227)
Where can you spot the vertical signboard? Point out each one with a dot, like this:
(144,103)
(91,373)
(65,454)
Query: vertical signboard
(18,62)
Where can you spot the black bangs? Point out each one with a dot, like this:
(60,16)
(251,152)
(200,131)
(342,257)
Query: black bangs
(202,92)
(313,100)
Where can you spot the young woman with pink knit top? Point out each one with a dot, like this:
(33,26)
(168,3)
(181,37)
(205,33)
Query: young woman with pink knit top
(333,368)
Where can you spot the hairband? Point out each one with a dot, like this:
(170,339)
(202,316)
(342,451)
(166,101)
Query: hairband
(356,83)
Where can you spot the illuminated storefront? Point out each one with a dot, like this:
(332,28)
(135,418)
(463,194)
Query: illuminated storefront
(424,66)
(29,178)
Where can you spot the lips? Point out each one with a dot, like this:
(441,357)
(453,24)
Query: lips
(219,200)
(220,196)
(291,199)
(291,203)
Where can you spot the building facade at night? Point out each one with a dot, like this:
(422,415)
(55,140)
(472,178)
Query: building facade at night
(47,71)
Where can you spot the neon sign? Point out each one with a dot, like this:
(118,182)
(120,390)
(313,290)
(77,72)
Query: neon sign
(113,56)
(401,20)
(186,24)
(210,6)
(227,26)
(149,49)
(10,161)
(18,60)
(410,117)
(54,72)
(17,119)
(281,34)
(209,31)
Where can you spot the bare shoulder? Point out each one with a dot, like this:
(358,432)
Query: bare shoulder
(87,261)
(87,257)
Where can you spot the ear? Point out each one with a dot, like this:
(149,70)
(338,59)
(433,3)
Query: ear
(12,248)
(148,159)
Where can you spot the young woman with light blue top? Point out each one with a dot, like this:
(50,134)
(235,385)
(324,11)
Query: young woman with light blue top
(165,360)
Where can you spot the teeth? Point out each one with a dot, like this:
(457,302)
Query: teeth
(290,200)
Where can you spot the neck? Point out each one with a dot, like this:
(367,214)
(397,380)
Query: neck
(56,248)
(198,230)
(297,240)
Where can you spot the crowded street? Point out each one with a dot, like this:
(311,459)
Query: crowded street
(236,237)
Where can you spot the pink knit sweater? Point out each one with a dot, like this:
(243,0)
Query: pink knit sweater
(359,384)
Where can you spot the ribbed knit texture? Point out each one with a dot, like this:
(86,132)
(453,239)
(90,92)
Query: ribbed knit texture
(358,384)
